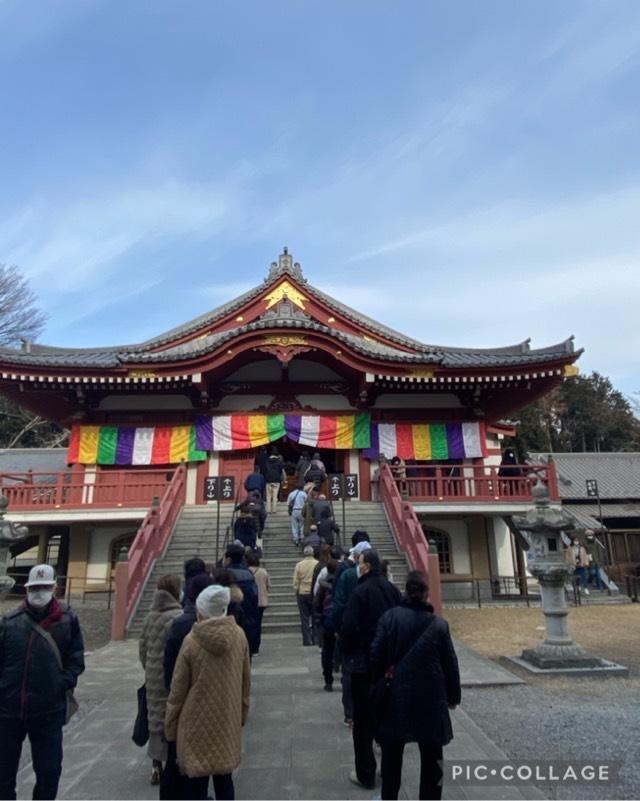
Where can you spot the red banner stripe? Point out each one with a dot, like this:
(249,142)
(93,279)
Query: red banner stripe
(404,441)
(74,445)
(161,449)
(327,433)
(240,432)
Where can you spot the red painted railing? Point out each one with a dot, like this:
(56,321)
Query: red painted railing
(108,489)
(150,543)
(475,483)
(409,535)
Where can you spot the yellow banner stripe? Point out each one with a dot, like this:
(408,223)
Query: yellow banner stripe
(258,430)
(421,442)
(344,431)
(89,437)
(179,446)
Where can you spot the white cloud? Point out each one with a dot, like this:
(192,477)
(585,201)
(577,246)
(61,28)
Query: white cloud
(69,245)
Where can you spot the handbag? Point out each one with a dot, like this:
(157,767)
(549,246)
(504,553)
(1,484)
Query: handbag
(72,704)
(140,734)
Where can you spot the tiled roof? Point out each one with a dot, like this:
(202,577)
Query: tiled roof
(40,460)
(587,515)
(617,474)
(422,354)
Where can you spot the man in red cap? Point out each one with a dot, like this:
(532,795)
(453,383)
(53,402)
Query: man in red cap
(41,657)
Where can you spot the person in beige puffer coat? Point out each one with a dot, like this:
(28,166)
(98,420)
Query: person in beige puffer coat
(165,608)
(209,699)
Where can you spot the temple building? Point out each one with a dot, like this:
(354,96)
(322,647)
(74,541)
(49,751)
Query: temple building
(283,364)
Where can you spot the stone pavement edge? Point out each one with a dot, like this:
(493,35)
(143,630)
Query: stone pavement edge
(295,745)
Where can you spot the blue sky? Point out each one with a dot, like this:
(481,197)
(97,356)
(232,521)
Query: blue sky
(467,172)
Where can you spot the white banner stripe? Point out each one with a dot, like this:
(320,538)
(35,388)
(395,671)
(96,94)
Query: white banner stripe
(222,439)
(471,440)
(387,439)
(309,430)
(142,446)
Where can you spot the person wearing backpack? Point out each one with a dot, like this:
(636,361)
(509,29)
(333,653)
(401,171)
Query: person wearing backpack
(41,657)
(416,681)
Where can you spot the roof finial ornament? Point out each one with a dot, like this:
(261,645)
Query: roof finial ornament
(286,266)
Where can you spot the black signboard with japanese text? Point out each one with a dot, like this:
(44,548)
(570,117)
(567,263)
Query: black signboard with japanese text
(343,485)
(227,488)
(351,485)
(592,488)
(219,488)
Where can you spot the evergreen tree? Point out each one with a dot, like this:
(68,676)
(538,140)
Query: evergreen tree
(583,414)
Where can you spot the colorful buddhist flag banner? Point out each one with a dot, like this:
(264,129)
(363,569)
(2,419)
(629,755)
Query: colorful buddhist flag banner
(129,445)
(427,441)
(238,432)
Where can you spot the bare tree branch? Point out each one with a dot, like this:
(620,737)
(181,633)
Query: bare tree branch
(19,317)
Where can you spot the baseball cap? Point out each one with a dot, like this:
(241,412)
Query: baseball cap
(41,575)
(361,547)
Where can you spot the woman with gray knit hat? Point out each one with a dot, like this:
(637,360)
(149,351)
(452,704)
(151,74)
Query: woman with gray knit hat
(165,608)
(209,699)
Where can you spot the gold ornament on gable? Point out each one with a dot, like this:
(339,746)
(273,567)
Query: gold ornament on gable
(286,290)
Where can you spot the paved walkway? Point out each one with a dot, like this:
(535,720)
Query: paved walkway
(295,744)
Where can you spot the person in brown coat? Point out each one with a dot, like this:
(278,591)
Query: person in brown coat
(209,699)
(165,608)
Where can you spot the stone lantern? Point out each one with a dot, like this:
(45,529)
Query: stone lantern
(542,526)
(10,533)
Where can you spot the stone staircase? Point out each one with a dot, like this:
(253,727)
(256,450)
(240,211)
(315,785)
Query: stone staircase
(194,535)
(280,557)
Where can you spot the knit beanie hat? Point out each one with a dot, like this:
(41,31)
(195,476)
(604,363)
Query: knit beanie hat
(213,601)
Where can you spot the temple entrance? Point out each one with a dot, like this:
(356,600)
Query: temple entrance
(240,463)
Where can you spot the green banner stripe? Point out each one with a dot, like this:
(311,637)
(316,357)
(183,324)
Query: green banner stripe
(439,446)
(195,455)
(275,426)
(362,431)
(107,441)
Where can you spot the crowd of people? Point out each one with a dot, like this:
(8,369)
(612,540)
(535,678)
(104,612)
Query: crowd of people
(398,667)
(396,662)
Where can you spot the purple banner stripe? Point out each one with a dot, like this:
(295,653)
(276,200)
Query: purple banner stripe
(124,445)
(373,452)
(455,441)
(204,433)
(292,423)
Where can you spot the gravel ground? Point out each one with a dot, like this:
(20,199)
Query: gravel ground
(94,619)
(560,718)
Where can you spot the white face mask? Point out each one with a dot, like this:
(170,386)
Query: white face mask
(358,571)
(39,597)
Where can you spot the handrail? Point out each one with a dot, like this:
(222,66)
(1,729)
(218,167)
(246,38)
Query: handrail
(469,483)
(409,535)
(69,490)
(149,544)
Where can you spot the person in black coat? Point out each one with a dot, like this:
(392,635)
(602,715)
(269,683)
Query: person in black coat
(245,527)
(371,598)
(35,680)
(327,527)
(243,577)
(412,654)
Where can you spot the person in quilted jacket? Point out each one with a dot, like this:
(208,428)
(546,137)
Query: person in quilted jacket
(164,610)
(209,699)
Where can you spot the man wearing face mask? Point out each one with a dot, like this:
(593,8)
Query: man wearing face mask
(41,657)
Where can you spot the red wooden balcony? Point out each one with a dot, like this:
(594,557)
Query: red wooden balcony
(468,484)
(105,489)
